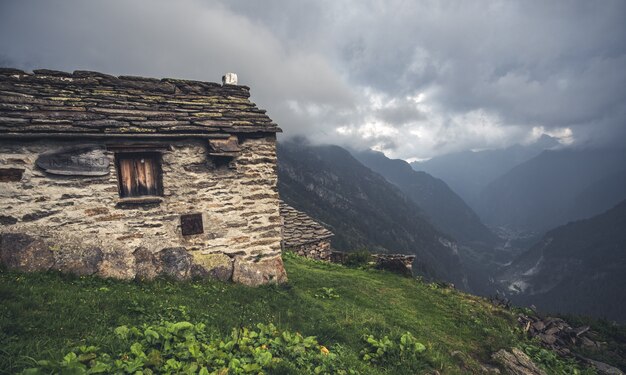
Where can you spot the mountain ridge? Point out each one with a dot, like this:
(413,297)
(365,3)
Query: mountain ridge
(362,208)
(579,267)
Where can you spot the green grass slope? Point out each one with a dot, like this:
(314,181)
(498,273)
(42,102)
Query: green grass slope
(45,316)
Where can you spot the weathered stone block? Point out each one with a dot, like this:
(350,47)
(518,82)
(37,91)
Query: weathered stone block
(24,253)
(264,271)
(147,265)
(517,362)
(175,262)
(117,264)
(7,220)
(81,262)
(216,266)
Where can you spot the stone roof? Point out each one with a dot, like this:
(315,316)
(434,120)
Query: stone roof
(49,103)
(299,228)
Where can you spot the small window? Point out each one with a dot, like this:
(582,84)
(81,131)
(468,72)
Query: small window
(139,174)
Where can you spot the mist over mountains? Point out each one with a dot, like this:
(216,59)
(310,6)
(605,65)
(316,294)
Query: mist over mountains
(469,172)
(535,187)
(546,191)
(383,205)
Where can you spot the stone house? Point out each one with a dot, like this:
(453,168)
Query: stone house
(130,177)
(303,235)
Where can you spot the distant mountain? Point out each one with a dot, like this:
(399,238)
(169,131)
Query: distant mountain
(600,195)
(545,191)
(447,212)
(442,206)
(469,172)
(577,268)
(362,208)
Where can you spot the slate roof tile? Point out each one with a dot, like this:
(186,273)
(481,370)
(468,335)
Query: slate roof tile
(83,102)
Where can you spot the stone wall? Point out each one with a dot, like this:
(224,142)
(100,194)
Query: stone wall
(319,250)
(398,263)
(81,225)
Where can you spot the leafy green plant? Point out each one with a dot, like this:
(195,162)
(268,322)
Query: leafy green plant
(385,350)
(554,364)
(327,293)
(183,347)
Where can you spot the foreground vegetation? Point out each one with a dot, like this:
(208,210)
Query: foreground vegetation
(327,319)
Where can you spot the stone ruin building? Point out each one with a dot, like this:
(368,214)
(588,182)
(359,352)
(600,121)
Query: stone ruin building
(128,177)
(303,235)
(306,237)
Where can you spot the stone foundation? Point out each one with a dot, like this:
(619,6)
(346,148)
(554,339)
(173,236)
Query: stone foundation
(319,250)
(79,224)
(398,263)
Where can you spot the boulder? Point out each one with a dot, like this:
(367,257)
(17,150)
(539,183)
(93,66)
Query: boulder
(175,262)
(516,362)
(215,266)
(117,264)
(604,369)
(263,271)
(25,253)
(147,265)
(81,262)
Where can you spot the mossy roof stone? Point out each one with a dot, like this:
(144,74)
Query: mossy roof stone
(299,228)
(86,103)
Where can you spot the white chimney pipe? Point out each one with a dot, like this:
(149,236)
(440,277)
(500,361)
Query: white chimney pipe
(229,79)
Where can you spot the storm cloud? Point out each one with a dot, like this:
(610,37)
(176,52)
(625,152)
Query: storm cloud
(414,79)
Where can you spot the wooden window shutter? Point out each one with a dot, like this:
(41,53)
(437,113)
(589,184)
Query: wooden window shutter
(139,174)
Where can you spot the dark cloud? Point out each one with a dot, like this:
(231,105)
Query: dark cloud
(413,78)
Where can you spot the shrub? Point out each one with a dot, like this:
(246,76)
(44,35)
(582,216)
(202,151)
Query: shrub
(358,259)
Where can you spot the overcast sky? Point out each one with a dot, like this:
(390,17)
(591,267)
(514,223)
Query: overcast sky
(414,79)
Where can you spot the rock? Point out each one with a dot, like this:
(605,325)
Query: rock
(581,330)
(37,215)
(547,338)
(215,266)
(539,326)
(267,270)
(397,263)
(7,220)
(117,264)
(516,363)
(588,343)
(175,262)
(552,331)
(147,266)
(81,262)
(489,370)
(198,272)
(24,253)
(603,368)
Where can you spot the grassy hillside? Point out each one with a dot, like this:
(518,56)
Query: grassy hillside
(45,316)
